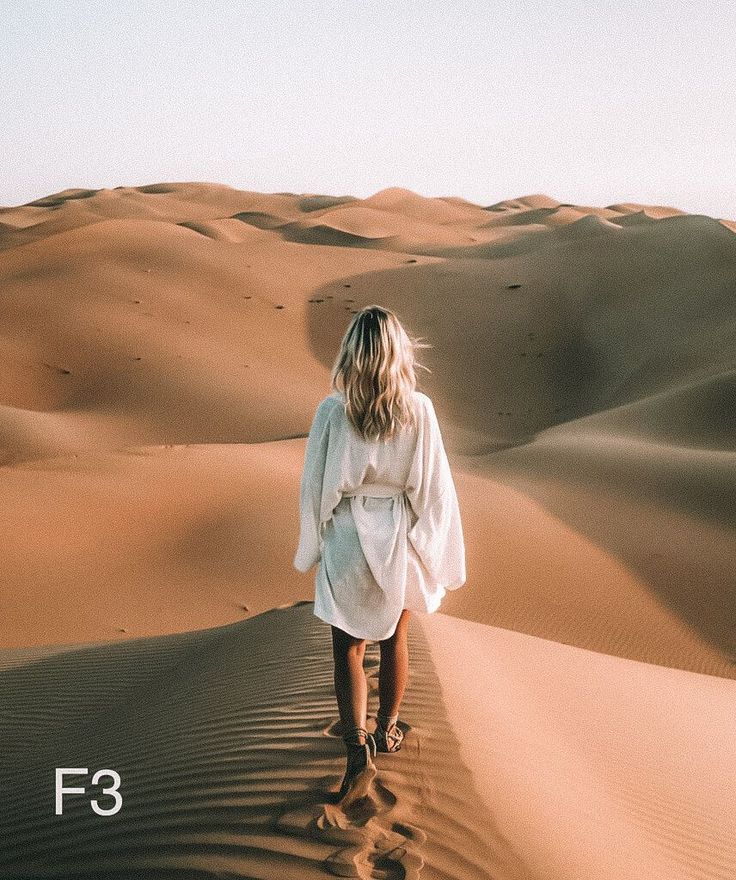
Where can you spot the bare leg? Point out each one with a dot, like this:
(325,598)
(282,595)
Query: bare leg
(351,687)
(393,674)
(351,690)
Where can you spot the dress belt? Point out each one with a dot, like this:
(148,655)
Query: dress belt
(374,490)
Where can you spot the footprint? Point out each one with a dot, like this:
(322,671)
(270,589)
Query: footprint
(62,370)
(412,832)
(341,826)
(384,797)
(349,862)
(369,843)
(396,856)
(403,866)
(386,853)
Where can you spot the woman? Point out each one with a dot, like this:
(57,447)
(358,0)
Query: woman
(379,513)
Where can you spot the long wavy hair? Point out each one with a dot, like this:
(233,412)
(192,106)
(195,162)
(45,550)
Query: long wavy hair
(375,371)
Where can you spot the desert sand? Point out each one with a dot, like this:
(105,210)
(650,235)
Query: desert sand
(570,711)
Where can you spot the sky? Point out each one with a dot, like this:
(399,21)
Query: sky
(588,102)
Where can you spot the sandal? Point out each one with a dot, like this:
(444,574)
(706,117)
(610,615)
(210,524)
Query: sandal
(361,769)
(388,740)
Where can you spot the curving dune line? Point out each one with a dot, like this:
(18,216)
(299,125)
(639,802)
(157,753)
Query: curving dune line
(544,761)
(228,744)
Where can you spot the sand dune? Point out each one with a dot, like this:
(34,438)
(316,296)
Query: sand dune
(227,744)
(163,348)
(172,317)
(230,753)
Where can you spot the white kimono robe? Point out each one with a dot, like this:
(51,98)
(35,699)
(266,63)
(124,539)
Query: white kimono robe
(382,520)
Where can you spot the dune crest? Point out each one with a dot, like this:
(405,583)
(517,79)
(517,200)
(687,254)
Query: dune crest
(224,768)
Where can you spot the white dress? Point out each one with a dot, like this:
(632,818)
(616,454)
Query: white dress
(381,518)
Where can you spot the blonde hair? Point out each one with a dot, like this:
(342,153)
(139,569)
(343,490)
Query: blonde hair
(375,371)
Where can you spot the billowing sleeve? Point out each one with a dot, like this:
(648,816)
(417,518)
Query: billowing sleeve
(309,550)
(437,534)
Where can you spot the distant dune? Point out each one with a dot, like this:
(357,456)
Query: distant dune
(162,352)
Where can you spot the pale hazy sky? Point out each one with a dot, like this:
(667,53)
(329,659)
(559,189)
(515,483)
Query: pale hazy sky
(590,102)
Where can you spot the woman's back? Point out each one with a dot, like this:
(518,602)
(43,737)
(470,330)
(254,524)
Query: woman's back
(353,461)
(382,519)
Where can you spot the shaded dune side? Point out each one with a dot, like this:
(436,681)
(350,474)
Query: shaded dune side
(322,234)
(560,333)
(584,564)
(228,745)
(699,414)
(676,447)
(651,482)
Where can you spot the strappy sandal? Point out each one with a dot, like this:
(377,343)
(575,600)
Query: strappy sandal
(388,740)
(361,769)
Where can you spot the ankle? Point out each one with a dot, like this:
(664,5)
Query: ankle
(355,736)
(386,721)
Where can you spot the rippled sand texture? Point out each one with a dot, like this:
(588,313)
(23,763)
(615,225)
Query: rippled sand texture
(228,744)
(522,758)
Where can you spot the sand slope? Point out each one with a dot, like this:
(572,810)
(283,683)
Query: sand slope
(229,750)
(227,743)
(593,766)
(162,351)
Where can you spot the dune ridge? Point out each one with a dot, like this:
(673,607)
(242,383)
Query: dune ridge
(228,745)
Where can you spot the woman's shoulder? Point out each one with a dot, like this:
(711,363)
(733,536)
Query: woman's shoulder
(325,409)
(423,400)
(332,399)
(329,404)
